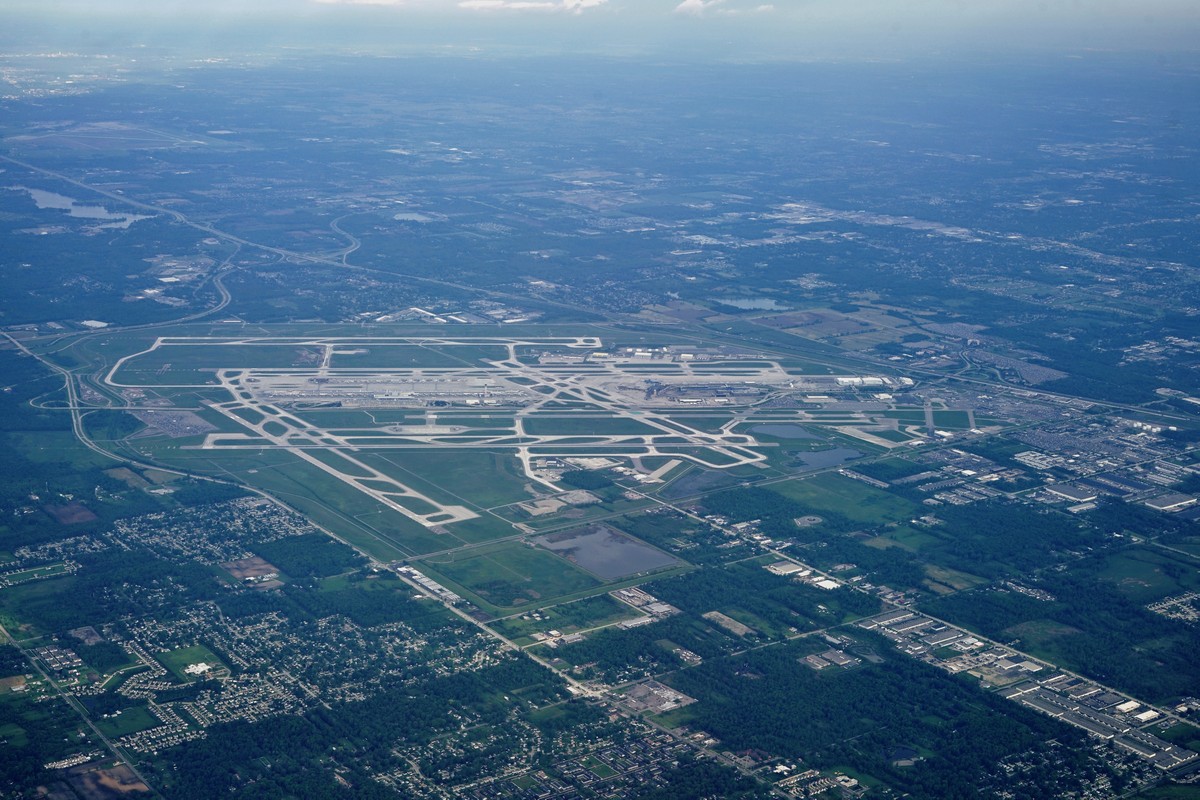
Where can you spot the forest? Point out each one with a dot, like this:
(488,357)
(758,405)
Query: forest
(1091,627)
(769,700)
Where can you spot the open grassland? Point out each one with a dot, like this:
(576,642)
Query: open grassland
(365,419)
(1145,575)
(128,720)
(585,614)
(27,610)
(587,425)
(854,499)
(475,478)
(195,363)
(511,574)
(410,356)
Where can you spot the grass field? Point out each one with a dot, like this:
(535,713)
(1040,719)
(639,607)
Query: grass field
(911,539)
(13,734)
(580,514)
(474,478)
(1039,636)
(511,574)
(130,720)
(1171,793)
(176,660)
(598,767)
(408,356)
(335,460)
(36,573)
(590,612)
(707,422)
(488,422)
(951,419)
(53,447)
(910,416)
(250,415)
(588,425)
(1145,575)
(21,606)
(892,436)
(943,580)
(193,364)
(483,528)
(357,419)
(1183,734)
(854,499)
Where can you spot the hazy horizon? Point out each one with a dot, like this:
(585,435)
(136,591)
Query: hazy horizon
(704,29)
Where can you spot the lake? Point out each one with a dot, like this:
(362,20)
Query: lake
(784,430)
(606,552)
(819,459)
(60,202)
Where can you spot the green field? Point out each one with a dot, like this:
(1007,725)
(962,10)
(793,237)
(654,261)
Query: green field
(1145,575)
(1183,734)
(485,421)
(176,660)
(251,416)
(892,436)
(908,416)
(52,448)
(854,499)
(590,612)
(358,419)
(337,461)
(1175,792)
(598,767)
(129,720)
(584,424)
(511,574)
(22,607)
(913,539)
(943,580)
(1041,637)
(409,356)
(474,478)
(36,573)
(193,364)
(951,419)
(709,423)
(483,528)
(13,734)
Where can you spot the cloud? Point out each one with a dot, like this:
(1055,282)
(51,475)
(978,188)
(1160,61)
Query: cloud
(696,7)
(699,8)
(568,6)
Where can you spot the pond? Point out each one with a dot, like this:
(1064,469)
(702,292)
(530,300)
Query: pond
(606,552)
(819,459)
(784,431)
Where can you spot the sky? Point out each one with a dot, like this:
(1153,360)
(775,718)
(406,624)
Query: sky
(716,29)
